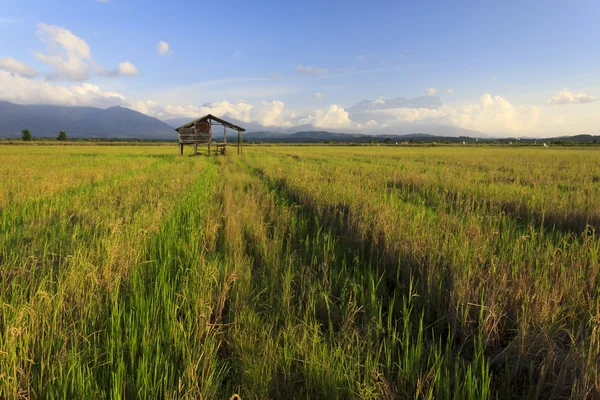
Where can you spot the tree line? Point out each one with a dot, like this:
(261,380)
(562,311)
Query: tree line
(27,137)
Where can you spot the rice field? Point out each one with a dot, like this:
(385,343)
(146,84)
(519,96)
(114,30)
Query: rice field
(299,272)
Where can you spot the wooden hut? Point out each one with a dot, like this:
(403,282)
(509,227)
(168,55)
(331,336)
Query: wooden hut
(200,131)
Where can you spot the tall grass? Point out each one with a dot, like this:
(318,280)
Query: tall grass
(300,272)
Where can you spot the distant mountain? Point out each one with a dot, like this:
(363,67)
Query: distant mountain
(82,122)
(120,122)
(584,138)
(325,136)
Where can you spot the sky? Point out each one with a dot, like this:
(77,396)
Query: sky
(522,68)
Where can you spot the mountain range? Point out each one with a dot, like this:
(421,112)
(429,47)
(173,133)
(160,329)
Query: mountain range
(81,122)
(125,123)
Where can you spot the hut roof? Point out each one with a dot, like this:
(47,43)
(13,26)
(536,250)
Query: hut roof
(213,118)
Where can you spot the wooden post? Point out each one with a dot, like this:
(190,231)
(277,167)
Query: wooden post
(180,149)
(238,143)
(195,141)
(209,135)
(224,139)
(241,142)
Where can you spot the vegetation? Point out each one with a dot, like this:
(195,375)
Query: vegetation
(26,135)
(296,272)
(62,136)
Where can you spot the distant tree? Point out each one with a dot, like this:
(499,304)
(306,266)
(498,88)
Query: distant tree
(387,140)
(26,135)
(372,141)
(62,136)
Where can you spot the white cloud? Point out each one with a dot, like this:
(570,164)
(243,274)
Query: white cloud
(266,113)
(490,115)
(565,96)
(126,68)
(318,96)
(334,117)
(449,91)
(380,100)
(12,65)
(372,123)
(70,56)
(21,90)
(306,70)
(431,91)
(270,114)
(163,48)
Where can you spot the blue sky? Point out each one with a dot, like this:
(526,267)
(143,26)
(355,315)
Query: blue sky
(525,68)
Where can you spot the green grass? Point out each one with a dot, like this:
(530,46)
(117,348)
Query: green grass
(299,272)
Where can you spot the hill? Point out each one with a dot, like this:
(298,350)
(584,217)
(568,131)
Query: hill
(83,122)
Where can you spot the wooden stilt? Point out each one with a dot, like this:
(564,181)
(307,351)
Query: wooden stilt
(209,135)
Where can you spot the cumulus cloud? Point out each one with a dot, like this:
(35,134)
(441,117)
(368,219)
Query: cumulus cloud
(265,113)
(449,91)
(431,91)
(70,56)
(334,117)
(21,90)
(126,69)
(318,96)
(306,70)
(491,114)
(12,65)
(565,96)
(163,48)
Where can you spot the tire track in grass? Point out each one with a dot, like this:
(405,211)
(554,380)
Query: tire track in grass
(577,223)
(162,341)
(568,222)
(339,212)
(342,279)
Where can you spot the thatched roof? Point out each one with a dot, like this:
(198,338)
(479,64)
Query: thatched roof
(210,117)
